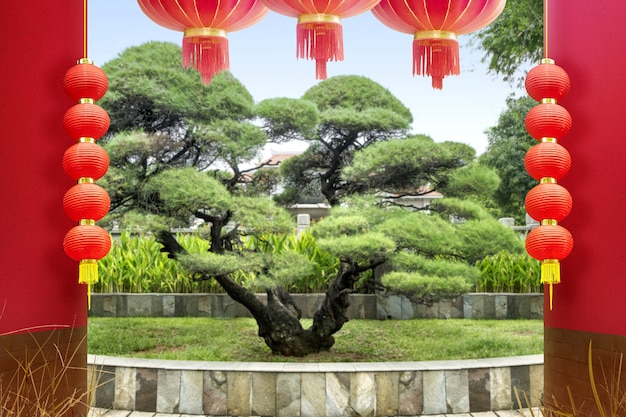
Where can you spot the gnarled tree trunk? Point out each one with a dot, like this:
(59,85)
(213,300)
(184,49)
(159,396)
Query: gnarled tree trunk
(279,319)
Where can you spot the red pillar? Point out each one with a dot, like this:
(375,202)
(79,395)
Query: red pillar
(42,308)
(588,39)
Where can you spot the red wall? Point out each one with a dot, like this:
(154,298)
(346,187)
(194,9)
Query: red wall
(39,41)
(588,39)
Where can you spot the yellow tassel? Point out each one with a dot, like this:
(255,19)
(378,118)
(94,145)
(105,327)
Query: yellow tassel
(550,274)
(88,274)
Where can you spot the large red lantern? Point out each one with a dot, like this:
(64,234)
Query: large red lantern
(319,33)
(435,25)
(205,25)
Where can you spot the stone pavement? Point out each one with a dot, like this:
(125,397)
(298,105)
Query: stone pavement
(99,412)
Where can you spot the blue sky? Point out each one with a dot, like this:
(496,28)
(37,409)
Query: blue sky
(263,58)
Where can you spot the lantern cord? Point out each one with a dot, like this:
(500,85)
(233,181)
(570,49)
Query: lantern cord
(545,28)
(85,28)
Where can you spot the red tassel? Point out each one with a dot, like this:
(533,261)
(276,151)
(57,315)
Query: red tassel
(436,57)
(206,50)
(319,37)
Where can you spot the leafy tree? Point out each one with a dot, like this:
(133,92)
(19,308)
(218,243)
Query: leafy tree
(180,163)
(515,38)
(508,143)
(354,113)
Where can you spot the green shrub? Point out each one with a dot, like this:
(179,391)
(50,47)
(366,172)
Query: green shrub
(425,289)
(135,264)
(507,272)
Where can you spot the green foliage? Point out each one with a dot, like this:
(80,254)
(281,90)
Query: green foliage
(179,193)
(507,272)
(163,95)
(474,182)
(288,118)
(457,209)
(362,249)
(435,267)
(135,264)
(316,266)
(508,143)
(426,289)
(480,238)
(514,38)
(354,112)
(405,166)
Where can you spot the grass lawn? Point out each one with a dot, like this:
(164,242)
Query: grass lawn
(211,339)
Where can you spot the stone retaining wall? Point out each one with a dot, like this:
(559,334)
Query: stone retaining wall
(380,307)
(315,389)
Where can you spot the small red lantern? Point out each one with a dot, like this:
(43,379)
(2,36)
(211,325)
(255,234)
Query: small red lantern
(550,243)
(86,120)
(547,80)
(319,34)
(86,200)
(547,159)
(205,25)
(87,243)
(85,81)
(435,25)
(85,159)
(548,200)
(548,120)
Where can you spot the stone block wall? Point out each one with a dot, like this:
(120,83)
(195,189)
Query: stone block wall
(315,389)
(379,307)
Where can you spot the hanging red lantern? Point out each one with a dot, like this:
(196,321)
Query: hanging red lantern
(319,34)
(85,81)
(435,25)
(547,159)
(87,243)
(548,120)
(86,119)
(550,243)
(205,25)
(85,159)
(86,200)
(548,200)
(547,80)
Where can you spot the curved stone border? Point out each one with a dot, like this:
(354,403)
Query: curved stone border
(379,307)
(315,389)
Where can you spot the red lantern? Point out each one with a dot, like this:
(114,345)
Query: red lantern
(85,160)
(86,200)
(547,159)
(85,80)
(205,25)
(87,243)
(547,80)
(319,34)
(86,120)
(548,120)
(548,201)
(435,25)
(549,242)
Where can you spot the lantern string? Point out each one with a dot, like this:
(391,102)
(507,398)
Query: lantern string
(545,29)
(84,28)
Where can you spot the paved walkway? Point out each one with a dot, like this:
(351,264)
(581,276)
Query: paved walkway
(99,412)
